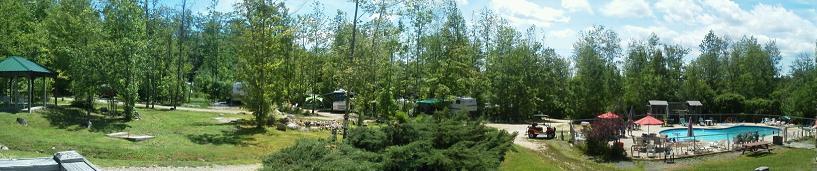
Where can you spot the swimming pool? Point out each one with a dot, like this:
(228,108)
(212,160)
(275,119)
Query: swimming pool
(717,134)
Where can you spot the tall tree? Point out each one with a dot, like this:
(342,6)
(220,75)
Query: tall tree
(265,36)
(595,86)
(125,35)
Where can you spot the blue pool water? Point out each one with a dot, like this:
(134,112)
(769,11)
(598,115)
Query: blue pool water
(716,134)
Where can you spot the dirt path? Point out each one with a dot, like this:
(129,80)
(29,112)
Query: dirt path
(204,168)
(229,110)
(521,139)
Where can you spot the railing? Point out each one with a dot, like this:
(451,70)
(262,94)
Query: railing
(700,144)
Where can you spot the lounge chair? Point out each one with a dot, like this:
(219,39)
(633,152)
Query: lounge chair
(701,121)
(638,146)
(684,122)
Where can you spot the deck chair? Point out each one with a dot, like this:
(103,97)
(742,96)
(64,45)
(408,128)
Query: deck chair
(684,122)
(701,121)
(638,146)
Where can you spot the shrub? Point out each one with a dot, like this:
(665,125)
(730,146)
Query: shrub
(601,132)
(440,142)
(321,155)
(368,139)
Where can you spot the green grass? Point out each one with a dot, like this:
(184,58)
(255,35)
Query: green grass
(558,156)
(182,138)
(520,158)
(779,159)
(198,102)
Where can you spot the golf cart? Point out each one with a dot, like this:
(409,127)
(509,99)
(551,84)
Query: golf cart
(545,131)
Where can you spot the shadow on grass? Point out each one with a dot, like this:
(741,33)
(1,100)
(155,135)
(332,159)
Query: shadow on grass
(65,117)
(759,154)
(238,136)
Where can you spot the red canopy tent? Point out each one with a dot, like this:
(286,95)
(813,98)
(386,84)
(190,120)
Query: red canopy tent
(608,115)
(649,120)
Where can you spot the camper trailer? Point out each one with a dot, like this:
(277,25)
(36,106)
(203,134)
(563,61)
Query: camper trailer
(464,104)
(237,93)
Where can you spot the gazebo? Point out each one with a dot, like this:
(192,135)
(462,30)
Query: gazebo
(16,67)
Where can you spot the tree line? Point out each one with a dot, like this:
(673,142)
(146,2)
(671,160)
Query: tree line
(145,51)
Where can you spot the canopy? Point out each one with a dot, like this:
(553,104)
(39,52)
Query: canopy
(608,115)
(16,66)
(649,120)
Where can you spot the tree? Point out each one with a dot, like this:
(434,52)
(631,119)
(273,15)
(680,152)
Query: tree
(126,44)
(595,86)
(265,37)
(74,35)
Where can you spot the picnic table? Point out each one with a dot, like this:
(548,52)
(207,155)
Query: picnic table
(756,146)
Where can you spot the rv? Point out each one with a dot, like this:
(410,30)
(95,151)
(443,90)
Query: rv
(338,98)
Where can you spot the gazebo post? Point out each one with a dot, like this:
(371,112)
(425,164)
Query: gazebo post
(30,93)
(45,95)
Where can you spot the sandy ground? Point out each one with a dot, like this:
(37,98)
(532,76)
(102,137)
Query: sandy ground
(522,139)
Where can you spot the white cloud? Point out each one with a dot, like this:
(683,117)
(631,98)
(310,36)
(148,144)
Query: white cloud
(462,2)
(577,5)
(627,9)
(686,12)
(523,12)
(561,34)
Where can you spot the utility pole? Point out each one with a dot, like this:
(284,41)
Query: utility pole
(351,63)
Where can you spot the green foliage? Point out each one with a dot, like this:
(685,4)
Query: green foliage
(322,155)
(598,137)
(261,55)
(424,143)
(596,85)
(730,102)
(652,71)
(760,105)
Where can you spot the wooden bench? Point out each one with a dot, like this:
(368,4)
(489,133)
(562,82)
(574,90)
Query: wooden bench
(756,146)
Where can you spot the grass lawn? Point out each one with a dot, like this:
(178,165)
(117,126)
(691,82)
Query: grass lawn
(198,102)
(780,159)
(182,138)
(520,158)
(558,156)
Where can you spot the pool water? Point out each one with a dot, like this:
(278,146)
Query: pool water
(717,134)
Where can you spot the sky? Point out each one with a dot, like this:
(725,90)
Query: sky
(791,24)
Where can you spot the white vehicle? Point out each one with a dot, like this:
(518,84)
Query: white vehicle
(467,104)
(237,93)
(338,100)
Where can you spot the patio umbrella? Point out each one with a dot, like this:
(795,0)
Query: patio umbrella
(689,129)
(649,120)
(608,115)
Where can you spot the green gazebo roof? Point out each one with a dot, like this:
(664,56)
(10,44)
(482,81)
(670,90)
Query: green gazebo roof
(15,66)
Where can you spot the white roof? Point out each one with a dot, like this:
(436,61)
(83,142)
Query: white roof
(695,103)
(658,103)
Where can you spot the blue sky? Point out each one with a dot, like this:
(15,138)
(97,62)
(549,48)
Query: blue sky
(792,24)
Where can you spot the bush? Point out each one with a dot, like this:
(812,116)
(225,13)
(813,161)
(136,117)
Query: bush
(601,132)
(368,139)
(321,155)
(82,104)
(439,142)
